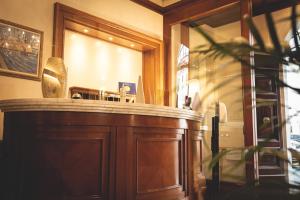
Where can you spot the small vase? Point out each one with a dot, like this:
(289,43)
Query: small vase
(54,78)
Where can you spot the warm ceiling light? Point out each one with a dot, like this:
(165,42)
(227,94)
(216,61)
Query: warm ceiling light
(85,30)
(110,38)
(132,45)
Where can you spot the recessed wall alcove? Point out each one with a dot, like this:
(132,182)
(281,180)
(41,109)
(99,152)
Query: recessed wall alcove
(67,18)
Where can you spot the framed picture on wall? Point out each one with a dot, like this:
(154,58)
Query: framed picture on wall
(20,51)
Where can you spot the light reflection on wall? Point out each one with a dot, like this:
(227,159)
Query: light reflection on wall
(94,63)
(75,56)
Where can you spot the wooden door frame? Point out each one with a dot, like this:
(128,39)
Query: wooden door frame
(189,12)
(249,104)
(197,10)
(151,48)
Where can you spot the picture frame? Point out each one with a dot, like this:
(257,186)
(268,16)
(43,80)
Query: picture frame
(130,87)
(21,50)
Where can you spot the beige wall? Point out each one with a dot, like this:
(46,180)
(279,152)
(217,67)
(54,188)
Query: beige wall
(38,14)
(97,64)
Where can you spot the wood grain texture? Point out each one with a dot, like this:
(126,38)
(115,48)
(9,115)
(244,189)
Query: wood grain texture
(72,155)
(272,5)
(53,159)
(162,9)
(196,10)
(247,82)
(167,62)
(196,180)
(159,160)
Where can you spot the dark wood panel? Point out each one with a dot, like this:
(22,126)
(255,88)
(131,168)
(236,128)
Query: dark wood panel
(272,5)
(268,113)
(258,7)
(185,34)
(265,85)
(101,119)
(221,18)
(269,160)
(70,155)
(167,62)
(150,5)
(196,179)
(197,9)
(152,177)
(2,172)
(267,121)
(162,9)
(123,189)
(1,149)
(158,155)
(52,159)
(247,82)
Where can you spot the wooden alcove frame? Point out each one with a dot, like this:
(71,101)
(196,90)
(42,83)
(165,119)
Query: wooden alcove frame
(67,18)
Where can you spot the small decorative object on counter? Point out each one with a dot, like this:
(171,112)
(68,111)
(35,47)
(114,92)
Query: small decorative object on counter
(196,103)
(76,96)
(140,97)
(187,103)
(54,78)
(123,93)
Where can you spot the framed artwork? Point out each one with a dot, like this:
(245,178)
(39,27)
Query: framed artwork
(130,87)
(20,51)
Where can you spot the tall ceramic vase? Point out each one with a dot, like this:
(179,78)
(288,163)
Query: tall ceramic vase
(54,78)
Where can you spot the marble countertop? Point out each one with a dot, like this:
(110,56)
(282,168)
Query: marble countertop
(79,105)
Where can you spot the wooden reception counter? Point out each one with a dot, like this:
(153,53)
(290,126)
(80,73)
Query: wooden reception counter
(82,149)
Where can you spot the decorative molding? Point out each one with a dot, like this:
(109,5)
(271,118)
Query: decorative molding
(67,18)
(79,105)
(162,9)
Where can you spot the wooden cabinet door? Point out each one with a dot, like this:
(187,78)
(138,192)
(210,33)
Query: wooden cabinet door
(196,179)
(268,115)
(154,165)
(69,162)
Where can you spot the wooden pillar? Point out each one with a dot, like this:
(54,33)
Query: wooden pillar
(248,94)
